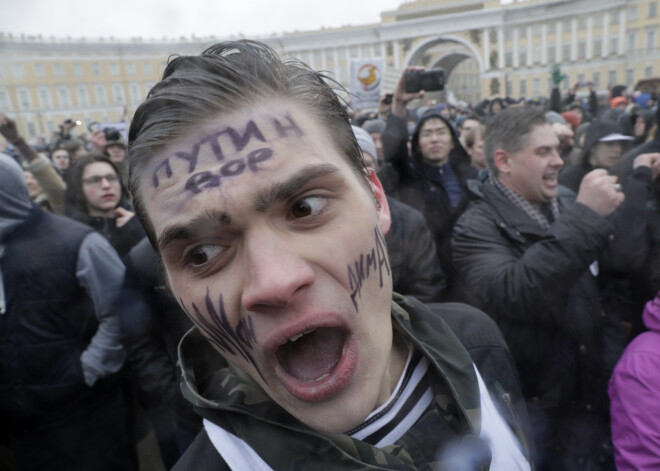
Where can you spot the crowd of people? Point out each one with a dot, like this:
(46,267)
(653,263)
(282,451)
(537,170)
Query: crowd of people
(421,286)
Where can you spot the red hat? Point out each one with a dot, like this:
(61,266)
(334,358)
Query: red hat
(618,101)
(571,118)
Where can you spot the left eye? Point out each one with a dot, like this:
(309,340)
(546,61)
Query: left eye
(306,207)
(203,254)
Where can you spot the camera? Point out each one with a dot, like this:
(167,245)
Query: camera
(429,80)
(111,134)
(388,98)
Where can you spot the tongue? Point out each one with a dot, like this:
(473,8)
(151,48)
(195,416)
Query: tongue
(313,355)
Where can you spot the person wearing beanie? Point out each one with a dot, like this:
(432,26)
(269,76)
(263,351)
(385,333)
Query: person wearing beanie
(375,128)
(115,149)
(619,102)
(416,269)
(603,146)
(431,177)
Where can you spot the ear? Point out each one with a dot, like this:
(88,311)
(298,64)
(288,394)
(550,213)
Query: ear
(384,220)
(502,160)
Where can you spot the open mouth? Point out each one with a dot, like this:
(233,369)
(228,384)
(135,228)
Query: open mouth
(316,363)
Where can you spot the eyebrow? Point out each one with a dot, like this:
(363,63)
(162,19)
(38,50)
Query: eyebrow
(284,190)
(190,229)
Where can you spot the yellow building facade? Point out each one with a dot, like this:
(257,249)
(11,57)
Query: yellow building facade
(485,46)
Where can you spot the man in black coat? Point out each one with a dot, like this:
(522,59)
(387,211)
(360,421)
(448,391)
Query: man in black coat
(432,176)
(527,253)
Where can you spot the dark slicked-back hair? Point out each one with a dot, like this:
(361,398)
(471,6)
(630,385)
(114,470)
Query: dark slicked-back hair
(225,78)
(508,130)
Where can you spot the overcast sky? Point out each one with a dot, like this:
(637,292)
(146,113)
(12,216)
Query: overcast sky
(175,18)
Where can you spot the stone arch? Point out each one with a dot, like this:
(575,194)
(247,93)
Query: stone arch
(448,61)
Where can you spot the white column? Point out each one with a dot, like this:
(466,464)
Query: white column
(324,63)
(574,39)
(500,47)
(530,46)
(515,47)
(606,39)
(335,57)
(486,49)
(544,43)
(622,31)
(590,37)
(395,50)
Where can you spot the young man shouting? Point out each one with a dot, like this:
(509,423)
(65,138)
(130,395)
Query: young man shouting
(247,176)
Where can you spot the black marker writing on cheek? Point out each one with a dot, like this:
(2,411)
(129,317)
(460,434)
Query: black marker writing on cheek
(374,261)
(282,129)
(218,330)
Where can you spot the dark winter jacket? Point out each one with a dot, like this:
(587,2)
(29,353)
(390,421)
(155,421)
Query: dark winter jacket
(416,269)
(122,238)
(404,177)
(285,443)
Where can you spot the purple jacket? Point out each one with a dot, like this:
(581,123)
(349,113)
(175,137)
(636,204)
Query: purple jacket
(635,398)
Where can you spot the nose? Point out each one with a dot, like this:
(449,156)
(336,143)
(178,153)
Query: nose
(557,161)
(276,272)
(105,183)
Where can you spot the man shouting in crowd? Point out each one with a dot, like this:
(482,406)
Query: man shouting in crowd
(249,181)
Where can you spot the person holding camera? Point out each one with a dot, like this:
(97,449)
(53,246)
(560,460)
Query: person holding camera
(431,176)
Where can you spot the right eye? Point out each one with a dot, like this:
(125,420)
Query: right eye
(202,254)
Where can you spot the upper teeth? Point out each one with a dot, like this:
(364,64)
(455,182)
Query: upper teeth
(297,336)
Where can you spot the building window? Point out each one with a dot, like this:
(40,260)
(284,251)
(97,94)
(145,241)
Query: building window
(632,13)
(509,88)
(39,70)
(508,59)
(134,90)
(537,86)
(4,100)
(648,71)
(96,68)
(552,53)
(632,41)
(536,53)
(582,49)
(580,78)
(522,32)
(305,57)
(24,101)
(598,20)
(596,79)
(366,51)
(101,96)
(508,34)
(630,76)
(354,52)
(59,70)
(146,68)
(77,69)
(536,29)
(598,47)
(32,130)
(130,68)
(44,98)
(317,58)
(582,23)
(566,52)
(342,54)
(566,27)
(523,87)
(552,27)
(377,50)
(614,45)
(650,40)
(614,17)
(64,97)
(83,95)
(612,77)
(653,9)
(118,93)
(19,71)
(522,56)
(114,68)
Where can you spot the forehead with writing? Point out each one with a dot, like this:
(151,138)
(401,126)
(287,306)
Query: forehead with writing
(247,146)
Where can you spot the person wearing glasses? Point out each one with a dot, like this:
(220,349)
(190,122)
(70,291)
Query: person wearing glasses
(96,197)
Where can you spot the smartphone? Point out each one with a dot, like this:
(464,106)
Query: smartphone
(429,80)
(388,98)
(93,126)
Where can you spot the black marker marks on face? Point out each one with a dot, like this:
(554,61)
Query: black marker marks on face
(363,267)
(206,180)
(219,331)
(281,128)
